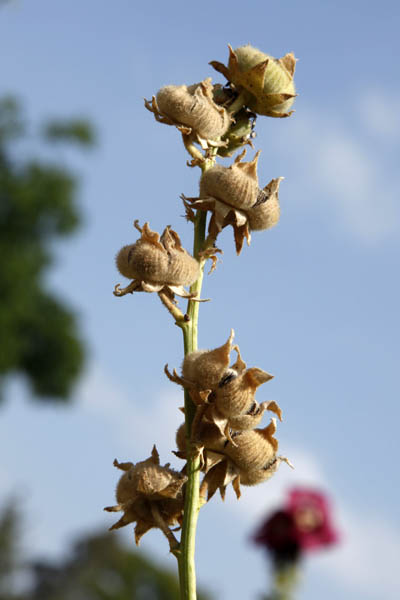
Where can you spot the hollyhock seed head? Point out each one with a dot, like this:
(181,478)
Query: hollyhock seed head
(265,82)
(154,262)
(236,185)
(193,106)
(205,368)
(144,484)
(236,396)
(254,449)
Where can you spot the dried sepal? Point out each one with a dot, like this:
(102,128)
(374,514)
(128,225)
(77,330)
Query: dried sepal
(193,111)
(222,215)
(265,82)
(156,263)
(143,485)
(265,212)
(218,478)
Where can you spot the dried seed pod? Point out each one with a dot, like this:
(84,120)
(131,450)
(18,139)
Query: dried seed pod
(205,368)
(259,475)
(146,487)
(154,262)
(266,82)
(236,185)
(253,449)
(191,108)
(265,212)
(235,394)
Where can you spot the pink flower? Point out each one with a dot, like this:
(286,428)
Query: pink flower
(303,523)
(311,513)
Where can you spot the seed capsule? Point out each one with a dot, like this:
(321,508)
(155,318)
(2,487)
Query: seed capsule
(265,82)
(253,449)
(191,108)
(236,185)
(205,368)
(265,212)
(144,487)
(236,397)
(154,262)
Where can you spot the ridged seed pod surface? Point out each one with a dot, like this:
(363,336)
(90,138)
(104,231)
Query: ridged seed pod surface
(252,450)
(233,185)
(193,106)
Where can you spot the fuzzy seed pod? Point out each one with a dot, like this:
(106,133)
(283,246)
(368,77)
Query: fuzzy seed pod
(145,487)
(205,368)
(259,475)
(235,394)
(154,262)
(266,82)
(236,185)
(265,212)
(191,108)
(253,450)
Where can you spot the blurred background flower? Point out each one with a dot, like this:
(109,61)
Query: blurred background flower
(303,523)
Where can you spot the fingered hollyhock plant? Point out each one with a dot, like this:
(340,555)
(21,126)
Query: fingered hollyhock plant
(222,439)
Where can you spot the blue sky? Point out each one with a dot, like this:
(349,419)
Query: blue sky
(314,301)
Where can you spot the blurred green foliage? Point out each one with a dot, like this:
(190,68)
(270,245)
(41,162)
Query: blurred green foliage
(99,567)
(38,332)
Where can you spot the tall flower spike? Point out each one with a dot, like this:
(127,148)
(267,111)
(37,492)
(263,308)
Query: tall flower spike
(265,82)
(192,110)
(155,262)
(148,494)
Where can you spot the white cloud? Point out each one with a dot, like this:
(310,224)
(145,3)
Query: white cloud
(380,114)
(367,558)
(342,173)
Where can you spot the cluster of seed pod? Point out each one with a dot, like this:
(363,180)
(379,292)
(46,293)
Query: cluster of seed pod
(149,495)
(227,414)
(225,428)
(155,262)
(191,108)
(234,197)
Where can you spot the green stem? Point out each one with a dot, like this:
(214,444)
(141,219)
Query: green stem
(187,573)
(186,561)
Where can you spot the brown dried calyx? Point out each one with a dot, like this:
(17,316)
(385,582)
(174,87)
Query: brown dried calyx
(155,262)
(149,495)
(192,110)
(224,395)
(233,196)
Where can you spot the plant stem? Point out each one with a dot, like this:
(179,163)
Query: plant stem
(186,562)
